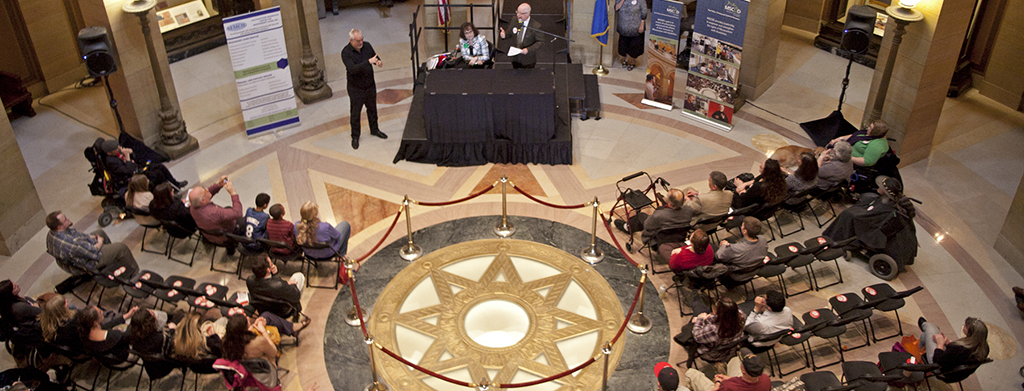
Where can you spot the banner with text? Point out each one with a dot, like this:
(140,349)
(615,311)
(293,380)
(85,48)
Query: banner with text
(715,57)
(260,61)
(662,44)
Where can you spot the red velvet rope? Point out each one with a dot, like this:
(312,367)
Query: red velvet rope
(548,204)
(629,314)
(467,198)
(549,378)
(616,241)
(359,310)
(386,234)
(422,369)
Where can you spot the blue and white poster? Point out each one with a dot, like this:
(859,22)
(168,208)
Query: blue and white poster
(716,54)
(260,61)
(662,46)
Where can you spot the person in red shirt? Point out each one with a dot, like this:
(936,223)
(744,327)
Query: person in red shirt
(211,217)
(281,230)
(697,253)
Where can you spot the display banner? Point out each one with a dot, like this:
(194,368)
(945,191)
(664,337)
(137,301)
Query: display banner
(715,57)
(260,61)
(662,45)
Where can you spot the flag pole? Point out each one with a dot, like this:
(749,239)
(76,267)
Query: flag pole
(601,70)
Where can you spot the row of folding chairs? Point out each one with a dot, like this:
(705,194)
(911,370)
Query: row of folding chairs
(893,368)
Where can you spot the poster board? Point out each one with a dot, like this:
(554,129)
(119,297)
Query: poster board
(716,55)
(259,59)
(181,15)
(662,45)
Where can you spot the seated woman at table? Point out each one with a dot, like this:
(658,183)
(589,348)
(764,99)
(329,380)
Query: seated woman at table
(475,49)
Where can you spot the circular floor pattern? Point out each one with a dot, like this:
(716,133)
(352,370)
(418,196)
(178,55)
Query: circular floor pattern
(346,354)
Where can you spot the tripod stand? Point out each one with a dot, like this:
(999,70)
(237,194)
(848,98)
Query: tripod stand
(824,130)
(113,105)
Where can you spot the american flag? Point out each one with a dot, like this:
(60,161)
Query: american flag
(444,13)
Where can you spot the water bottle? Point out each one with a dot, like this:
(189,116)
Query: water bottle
(661,290)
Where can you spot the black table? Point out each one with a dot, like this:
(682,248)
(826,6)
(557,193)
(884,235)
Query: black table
(484,105)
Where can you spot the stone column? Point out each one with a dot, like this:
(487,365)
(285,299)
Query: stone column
(1010,241)
(761,46)
(923,69)
(293,38)
(21,212)
(1004,75)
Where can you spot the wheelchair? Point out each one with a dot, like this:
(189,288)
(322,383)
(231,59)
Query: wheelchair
(105,185)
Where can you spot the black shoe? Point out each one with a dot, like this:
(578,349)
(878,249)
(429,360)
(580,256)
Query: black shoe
(231,250)
(1018,291)
(182,184)
(379,134)
(355,143)
(920,323)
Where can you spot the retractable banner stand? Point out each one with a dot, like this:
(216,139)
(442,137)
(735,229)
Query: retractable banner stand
(260,61)
(715,57)
(662,46)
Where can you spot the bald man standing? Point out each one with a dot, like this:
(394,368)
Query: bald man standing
(359,59)
(525,37)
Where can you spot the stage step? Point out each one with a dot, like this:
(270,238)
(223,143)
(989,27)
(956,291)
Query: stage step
(592,102)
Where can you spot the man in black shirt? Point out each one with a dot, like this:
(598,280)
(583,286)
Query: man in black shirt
(359,59)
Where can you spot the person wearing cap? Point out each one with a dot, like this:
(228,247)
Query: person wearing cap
(874,211)
(121,166)
(668,378)
(751,376)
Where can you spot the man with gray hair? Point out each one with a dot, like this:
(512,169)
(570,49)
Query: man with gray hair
(359,58)
(835,165)
(524,36)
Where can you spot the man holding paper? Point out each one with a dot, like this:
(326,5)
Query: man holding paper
(525,40)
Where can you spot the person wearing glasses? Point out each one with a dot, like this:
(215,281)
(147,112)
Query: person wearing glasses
(524,37)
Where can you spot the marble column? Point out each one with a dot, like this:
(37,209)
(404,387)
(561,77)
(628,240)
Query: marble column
(1004,76)
(923,69)
(21,212)
(761,46)
(294,39)
(1010,241)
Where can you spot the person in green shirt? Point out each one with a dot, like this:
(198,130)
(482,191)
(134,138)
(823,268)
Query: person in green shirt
(868,145)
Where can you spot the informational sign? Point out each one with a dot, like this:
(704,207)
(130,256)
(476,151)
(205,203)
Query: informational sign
(715,57)
(181,15)
(662,46)
(260,61)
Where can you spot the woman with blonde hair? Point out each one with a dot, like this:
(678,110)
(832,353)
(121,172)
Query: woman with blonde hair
(191,343)
(138,198)
(311,230)
(55,316)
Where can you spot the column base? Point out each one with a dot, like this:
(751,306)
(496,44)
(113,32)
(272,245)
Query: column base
(175,151)
(314,96)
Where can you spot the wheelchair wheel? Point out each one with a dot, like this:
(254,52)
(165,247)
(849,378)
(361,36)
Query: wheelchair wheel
(105,219)
(883,266)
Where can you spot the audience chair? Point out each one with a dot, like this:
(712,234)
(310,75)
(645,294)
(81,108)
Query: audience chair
(157,225)
(801,201)
(670,235)
(824,249)
(247,373)
(851,308)
(826,196)
(294,254)
(866,376)
(958,374)
(213,254)
(823,381)
(171,290)
(887,299)
(314,263)
(829,329)
(136,289)
(245,250)
(766,214)
(112,279)
(276,306)
(713,223)
(207,291)
(203,366)
(156,367)
(905,365)
(773,267)
(730,281)
(791,254)
(735,218)
(176,232)
(236,300)
(112,364)
(800,335)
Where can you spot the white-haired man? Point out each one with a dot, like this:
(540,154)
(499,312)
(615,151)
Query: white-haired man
(359,58)
(524,36)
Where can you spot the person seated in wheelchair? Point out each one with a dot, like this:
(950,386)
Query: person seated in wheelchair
(881,221)
(475,49)
(120,163)
(868,144)
(674,214)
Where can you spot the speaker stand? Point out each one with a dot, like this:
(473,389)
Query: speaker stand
(824,130)
(113,105)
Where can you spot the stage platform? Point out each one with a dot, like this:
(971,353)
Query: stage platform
(417,147)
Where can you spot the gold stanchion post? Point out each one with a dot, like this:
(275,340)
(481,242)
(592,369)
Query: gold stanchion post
(505,229)
(352,316)
(376,385)
(639,324)
(591,254)
(411,251)
(607,351)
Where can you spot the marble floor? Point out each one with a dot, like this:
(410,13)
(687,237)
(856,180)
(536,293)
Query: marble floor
(966,184)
